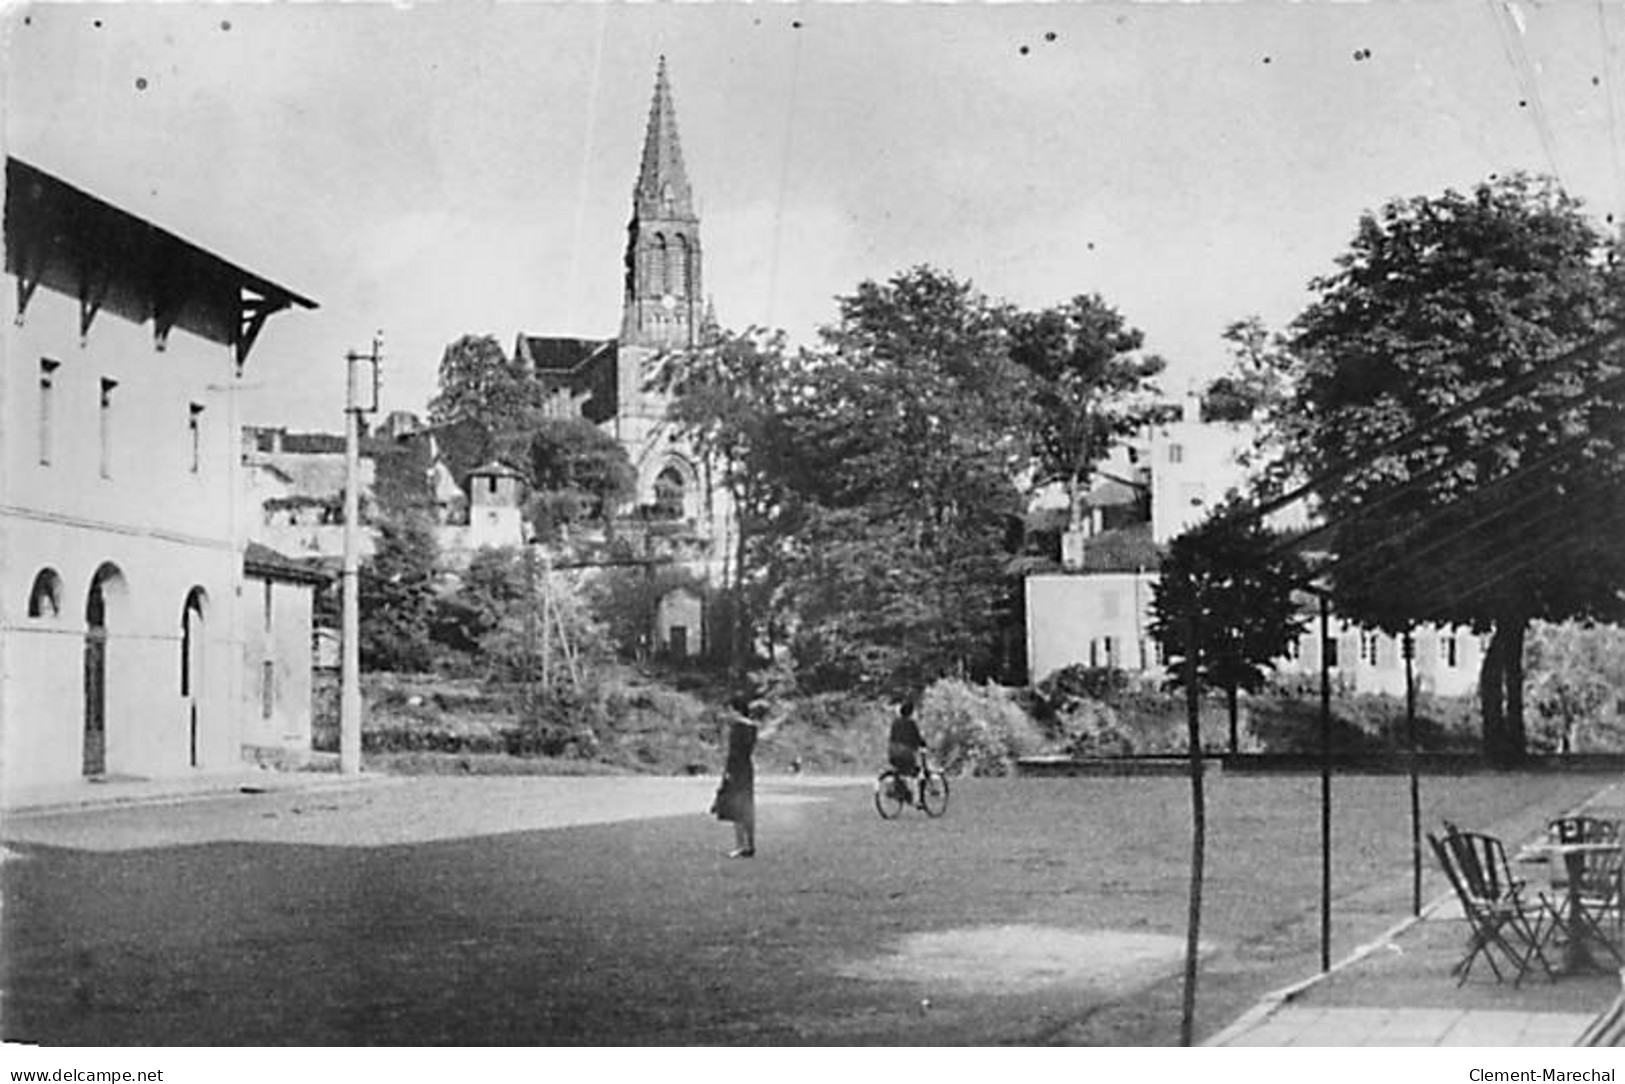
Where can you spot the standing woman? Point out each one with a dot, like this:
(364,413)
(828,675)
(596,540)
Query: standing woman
(736,797)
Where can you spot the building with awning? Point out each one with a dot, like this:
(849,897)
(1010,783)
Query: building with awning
(121,556)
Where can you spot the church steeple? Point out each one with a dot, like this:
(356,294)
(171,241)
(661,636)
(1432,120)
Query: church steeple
(663,295)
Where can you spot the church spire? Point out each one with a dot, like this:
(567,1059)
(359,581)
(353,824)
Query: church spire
(662,305)
(662,190)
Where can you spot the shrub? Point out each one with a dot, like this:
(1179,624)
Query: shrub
(1088,728)
(979,729)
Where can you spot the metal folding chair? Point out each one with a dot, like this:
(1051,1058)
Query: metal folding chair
(1593,882)
(1502,923)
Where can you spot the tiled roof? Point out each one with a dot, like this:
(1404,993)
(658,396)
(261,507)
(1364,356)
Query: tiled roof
(1127,549)
(266,563)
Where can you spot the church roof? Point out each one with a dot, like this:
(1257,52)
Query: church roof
(662,170)
(553,354)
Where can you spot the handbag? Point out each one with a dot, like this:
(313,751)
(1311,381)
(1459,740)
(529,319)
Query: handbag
(723,805)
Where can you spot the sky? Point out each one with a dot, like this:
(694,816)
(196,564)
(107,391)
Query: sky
(445,169)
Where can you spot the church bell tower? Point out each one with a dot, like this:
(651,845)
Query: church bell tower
(662,302)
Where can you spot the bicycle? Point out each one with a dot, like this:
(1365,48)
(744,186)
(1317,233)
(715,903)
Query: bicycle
(892,792)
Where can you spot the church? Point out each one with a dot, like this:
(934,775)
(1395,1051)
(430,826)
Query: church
(602,379)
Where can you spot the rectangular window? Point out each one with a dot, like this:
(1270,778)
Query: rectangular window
(47,407)
(1109,643)
(194,435)
(267,605)
(1328,647)
(105,428)
(267,688)
(1448,644)
(1176,453)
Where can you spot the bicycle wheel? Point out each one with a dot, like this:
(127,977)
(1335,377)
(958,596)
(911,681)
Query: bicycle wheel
(934,794)
(888,803)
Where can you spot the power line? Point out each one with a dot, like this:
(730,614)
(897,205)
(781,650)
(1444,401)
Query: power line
(1509,27)
(1416,434)
(1613,112)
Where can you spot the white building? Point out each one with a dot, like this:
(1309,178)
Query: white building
(121,562)
(1097,612)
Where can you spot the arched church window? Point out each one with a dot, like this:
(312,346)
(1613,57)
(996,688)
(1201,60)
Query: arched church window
(658,269)
(669,492)
(681,267)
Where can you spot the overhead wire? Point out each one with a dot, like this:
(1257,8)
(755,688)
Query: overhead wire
(1613,111)
(1509,27)
(1416,434)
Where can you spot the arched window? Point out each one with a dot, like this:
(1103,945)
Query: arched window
(191,627)
(669,488)
(45,597)
(659,268)
(680,267)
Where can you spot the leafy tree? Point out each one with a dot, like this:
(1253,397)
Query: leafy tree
(1576,675)
(577,473)
(908,433)
(397,586)
(1093,386)
(1259,382)
(733,399)
(1223,582)
(479,381)
(1507,513)
(492,585)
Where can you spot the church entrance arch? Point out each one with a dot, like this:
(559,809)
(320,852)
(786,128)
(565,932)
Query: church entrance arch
(103,608)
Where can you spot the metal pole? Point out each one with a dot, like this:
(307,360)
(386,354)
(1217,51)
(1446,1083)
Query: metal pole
(350,664)
(1325,787)
(1409,646)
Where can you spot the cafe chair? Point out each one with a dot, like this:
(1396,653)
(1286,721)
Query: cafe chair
(1502,923)
(1593,882)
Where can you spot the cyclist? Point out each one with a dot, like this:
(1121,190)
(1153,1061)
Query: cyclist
(906,748)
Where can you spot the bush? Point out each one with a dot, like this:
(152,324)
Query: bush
(1088,728)
(979,729)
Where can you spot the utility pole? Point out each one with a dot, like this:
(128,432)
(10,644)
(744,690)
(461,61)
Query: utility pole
(355,404)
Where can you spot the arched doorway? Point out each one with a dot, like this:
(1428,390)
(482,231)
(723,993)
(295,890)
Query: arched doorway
(192,671)
(106,587)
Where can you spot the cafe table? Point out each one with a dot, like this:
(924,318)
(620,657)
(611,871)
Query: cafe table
(1582,927)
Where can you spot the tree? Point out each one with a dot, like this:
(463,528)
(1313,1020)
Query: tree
(577,473)
(398,597)
(1093,386)
(1505,514)
(492,585)
(1576,676)
(1259,383)
(479,381)
(1224,583)
(733,400)
(908,432)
